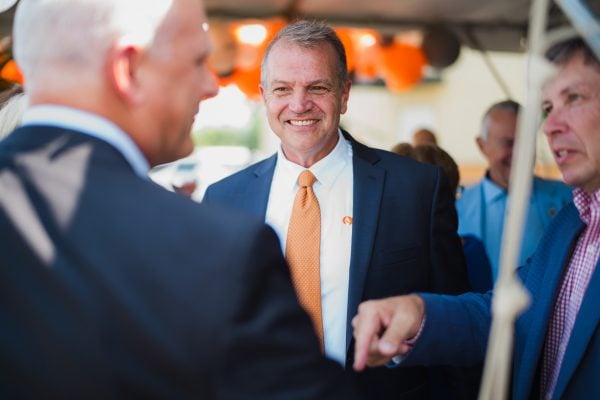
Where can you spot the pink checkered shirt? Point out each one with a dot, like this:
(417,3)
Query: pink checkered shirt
(573,287)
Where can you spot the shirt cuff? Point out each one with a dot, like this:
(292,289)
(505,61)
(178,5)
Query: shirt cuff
(396,360)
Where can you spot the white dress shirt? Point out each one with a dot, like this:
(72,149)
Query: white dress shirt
(92,125)
(334,188)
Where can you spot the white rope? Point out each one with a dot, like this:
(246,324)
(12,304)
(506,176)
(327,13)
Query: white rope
(510,297)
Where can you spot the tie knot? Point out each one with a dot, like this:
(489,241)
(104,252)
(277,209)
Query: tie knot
(306,178)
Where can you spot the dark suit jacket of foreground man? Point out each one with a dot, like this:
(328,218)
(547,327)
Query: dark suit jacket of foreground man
(111,287)
(403,240)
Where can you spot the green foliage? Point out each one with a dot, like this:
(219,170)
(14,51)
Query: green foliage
(226,136)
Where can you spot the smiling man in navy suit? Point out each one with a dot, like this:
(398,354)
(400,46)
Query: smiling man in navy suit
(110,286)
(557,339)
(388,224)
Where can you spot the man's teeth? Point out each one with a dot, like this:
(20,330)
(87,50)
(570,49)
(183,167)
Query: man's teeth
(562,153)
(303,122)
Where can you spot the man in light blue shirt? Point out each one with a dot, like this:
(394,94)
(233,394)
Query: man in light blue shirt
(481,207)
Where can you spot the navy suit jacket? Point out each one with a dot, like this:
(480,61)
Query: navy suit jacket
(457,327)
(112,287)
(403,240)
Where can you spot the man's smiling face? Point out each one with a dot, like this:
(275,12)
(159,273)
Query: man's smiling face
(304,99)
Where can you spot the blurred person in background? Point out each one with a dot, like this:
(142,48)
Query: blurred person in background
(424,136)
(481,207)
(404,149)
(111,286)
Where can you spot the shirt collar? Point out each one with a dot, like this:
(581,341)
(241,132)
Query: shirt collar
(491,190)
(92,125)
(325,170)
(586,203)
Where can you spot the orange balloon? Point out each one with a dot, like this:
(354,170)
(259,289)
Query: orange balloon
(11,72)
(248,80)
(273,27)
(367,53)
(249,56)
(401,65)
(346,39)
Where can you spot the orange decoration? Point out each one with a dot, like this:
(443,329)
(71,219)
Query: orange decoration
(248,81)
(401,65)
(273,27)
(346,39)
(249,58)
(11,72)
(225,48)
(367,53)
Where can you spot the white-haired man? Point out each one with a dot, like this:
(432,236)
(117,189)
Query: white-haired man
(481,207)
(111,287)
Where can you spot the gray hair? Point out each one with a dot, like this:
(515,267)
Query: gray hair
(49,35)
(505,105)
(310,34)
(562,52)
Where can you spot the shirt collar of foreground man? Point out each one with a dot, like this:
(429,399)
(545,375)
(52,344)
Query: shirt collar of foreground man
(457,327)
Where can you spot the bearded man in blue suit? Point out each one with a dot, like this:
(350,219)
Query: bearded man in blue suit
(557,339)
(388,224)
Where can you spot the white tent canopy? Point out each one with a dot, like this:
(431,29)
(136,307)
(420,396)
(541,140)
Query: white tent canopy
(494,24)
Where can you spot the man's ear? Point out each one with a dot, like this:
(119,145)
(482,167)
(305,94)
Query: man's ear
(345,96)
(481,144)
(123,72)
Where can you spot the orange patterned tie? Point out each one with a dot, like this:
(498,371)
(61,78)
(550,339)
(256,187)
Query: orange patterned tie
(303,249)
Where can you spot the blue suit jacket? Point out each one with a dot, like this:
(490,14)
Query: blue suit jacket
(547,198)
(403,238)
(457,328)
(112,287)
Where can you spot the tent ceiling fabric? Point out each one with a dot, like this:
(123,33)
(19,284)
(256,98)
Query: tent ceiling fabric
(495,24)
(499,25)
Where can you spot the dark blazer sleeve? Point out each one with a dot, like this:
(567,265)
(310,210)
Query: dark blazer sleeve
(272,351)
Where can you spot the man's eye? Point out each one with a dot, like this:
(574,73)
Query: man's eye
(571,97)
(546,109)
(318,89)
(280,90)
(546,112)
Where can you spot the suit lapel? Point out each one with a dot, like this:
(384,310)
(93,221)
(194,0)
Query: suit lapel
(255,196)
(544,204)
(585,326)
(368,188)
(531,332)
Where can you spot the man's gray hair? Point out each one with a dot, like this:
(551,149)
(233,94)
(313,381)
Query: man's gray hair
(505,105)
(309,34)
(562,52)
